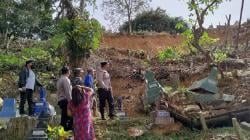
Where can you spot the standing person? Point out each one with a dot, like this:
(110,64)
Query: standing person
(105,90)
(89,78)
(27,82)
(64,89)
(77,79)
(79,109)
(89,82)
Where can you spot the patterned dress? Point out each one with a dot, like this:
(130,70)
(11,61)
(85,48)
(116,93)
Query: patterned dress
(82,120)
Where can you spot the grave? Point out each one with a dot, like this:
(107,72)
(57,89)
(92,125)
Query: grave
(42,105)
(205,90)
(9,108)
(153,87)
(161,117)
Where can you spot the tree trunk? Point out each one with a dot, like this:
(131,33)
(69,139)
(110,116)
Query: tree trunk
(82,5)
(227,29)
(70,10)
(238,33)
(129,24)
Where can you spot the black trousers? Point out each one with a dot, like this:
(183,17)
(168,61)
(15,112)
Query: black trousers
(103,96)
(27,95)
(66,121)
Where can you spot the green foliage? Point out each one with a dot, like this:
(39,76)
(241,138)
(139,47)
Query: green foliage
(169,53)
(57,40)
(8,61)
(198,38)
(206,40)
(26,18)
(58,133)
(42,56)
(219,56)
(35,53)
(200,5)
(82,36)
(156,20)
(147,108)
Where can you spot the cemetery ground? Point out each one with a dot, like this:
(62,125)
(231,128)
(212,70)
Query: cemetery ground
(128,83)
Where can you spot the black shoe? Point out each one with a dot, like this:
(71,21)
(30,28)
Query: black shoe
(103,118)
(112,116)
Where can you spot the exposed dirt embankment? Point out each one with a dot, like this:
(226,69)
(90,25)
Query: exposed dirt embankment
(148,43)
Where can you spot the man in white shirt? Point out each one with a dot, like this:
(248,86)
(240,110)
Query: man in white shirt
(27,82)
(105,90)
(64,89)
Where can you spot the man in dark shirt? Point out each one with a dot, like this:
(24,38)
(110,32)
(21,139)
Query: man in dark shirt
(27,82)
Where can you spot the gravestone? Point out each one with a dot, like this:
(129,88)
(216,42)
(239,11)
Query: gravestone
(153,87)
(9,108)
(205,90)
(161,117)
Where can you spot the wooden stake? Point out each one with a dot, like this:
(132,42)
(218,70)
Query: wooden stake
(237,128)
(203,122)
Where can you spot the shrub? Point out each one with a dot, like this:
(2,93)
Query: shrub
(169,53)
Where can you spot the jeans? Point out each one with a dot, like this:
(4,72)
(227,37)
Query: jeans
(23,96)
(103,96)
(66,121)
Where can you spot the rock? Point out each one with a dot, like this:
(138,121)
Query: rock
(228,98)
(163,129)
(245,125)
(189,108)
(230,64)
(134,132)
(244,73)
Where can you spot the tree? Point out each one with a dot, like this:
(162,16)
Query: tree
(26,18)
(199,10)
(76,7)
(155,20)
(238,32)
(118,9)
(82,34)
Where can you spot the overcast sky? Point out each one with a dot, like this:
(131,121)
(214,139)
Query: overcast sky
(179,8)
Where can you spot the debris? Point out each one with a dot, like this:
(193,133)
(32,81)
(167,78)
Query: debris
(245,125)
(208,84)
(228,98)
(163,129)
(190,108)
(205,90)
(237,129)
(134,132)
(230,64)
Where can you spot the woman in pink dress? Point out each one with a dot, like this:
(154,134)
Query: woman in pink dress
(79,109)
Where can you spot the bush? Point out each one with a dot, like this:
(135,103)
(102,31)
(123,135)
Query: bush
(9,61)
(169,53)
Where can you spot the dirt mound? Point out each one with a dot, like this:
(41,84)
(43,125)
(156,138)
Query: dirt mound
(189,69)
(148,43)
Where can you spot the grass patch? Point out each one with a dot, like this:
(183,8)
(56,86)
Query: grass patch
(117,130)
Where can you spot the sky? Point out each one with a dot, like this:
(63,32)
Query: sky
(179,8)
